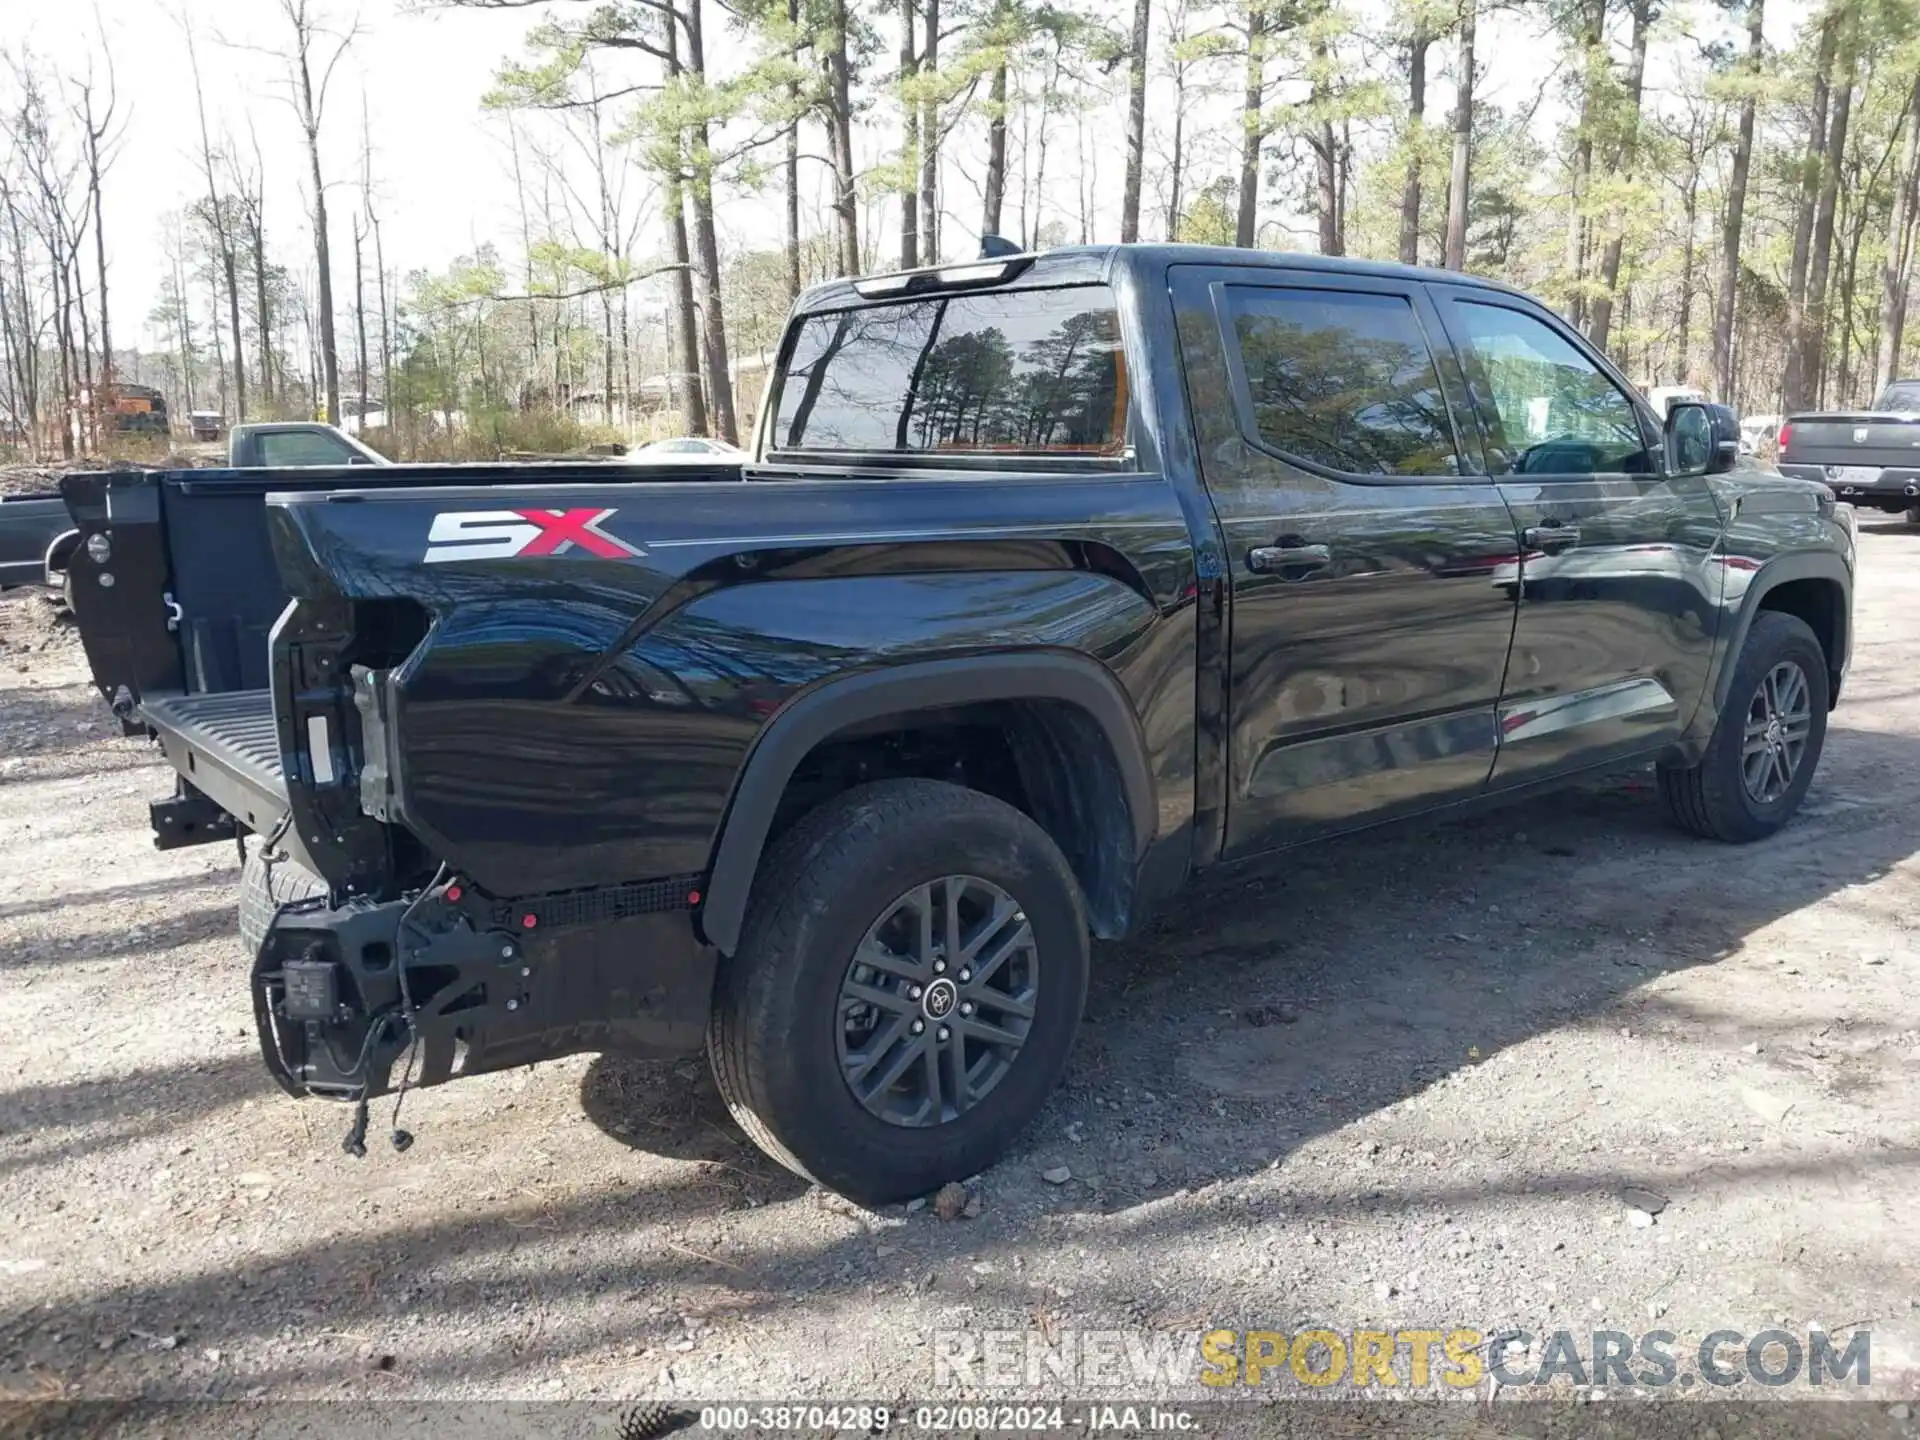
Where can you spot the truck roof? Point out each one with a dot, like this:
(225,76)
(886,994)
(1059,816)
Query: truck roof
(1086,264)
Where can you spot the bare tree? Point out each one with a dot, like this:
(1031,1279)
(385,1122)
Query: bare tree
(217,218)
(309,74)
(98,135)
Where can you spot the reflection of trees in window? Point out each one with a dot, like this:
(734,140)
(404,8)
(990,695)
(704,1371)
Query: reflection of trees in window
(1028,371)
(1058,392)
(962,387)
(1333,392)
(1587,425)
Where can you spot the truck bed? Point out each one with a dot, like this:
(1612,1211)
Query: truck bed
(227,747)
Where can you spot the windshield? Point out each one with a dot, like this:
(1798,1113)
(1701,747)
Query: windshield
(1021,372)
(1902,395)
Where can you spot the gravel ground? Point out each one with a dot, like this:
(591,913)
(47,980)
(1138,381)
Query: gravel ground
(1417,1078)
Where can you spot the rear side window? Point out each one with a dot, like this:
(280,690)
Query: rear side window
(1344,380)
(301,447)
(1031,372)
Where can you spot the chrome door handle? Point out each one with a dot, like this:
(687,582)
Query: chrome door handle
(1275,559)
(1551,539)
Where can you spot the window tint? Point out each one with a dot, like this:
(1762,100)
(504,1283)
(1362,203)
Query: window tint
(1033,371)
(1902,396)
(1552,411)
(1343,379)
(302,447)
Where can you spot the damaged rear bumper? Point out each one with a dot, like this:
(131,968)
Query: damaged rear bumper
(478,982)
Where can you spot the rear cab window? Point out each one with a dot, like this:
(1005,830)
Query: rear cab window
(1902,397)
(1032,372)
(291,449)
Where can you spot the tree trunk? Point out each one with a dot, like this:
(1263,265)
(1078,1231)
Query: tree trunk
(1820,261)
(693,403)
(360,316)
(386,331)
(1736,208)
(1795,392)
(996,181)
(1893,270)
(217,218)
(910,145)
(1690,213)
(103,401)
(1326,152)
(792,166)
(257,242)
(1252,126)
(1177,162)
(1455,257)
(1624,161)
(1136,121)
(1416,117)
(1593,23)
(930,141)
(840,135)
(706,242)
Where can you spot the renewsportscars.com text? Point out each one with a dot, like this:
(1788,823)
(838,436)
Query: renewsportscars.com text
(1405,1360)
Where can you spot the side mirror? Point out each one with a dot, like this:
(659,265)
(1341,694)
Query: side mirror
(1689,439)
(358,459)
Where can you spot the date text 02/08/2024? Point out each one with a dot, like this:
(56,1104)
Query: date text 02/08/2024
(937,1419)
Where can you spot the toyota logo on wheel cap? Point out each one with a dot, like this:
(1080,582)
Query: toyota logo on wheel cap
(940,999)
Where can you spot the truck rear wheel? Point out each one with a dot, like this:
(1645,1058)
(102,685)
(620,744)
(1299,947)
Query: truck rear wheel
(906,989)
(1766,743)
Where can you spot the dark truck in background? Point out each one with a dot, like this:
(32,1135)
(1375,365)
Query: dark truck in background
(1869,458)
(1052,580)
(38,536)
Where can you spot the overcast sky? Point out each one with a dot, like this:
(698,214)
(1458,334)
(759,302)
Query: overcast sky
(441,165)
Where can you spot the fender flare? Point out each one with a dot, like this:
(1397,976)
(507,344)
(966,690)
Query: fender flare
(62,546)
(1782,569)
(899,690)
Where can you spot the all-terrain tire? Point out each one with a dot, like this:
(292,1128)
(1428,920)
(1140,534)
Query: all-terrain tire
(1710,799)
(265,887)
(772,1036)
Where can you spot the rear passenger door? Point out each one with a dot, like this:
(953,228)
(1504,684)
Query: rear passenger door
(1369,625)
(1617,591)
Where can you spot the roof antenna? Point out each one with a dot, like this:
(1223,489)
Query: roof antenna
(995,247)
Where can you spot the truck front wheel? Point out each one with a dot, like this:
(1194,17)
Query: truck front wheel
(1766,743)
(906,989)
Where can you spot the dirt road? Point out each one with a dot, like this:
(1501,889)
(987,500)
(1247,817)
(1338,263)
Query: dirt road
(1410,1079)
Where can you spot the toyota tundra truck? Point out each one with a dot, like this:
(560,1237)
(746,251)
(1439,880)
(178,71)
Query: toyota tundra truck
(1049,582)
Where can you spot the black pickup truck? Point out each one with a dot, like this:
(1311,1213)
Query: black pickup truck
(1051,581)
(1869,458)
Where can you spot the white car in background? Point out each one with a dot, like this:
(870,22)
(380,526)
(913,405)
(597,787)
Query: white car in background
(689,450)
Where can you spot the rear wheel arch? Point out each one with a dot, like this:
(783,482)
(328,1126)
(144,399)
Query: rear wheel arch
(1069,729)
(60,552)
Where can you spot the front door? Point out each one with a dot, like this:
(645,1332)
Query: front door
(1369,630)
(1616,585)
